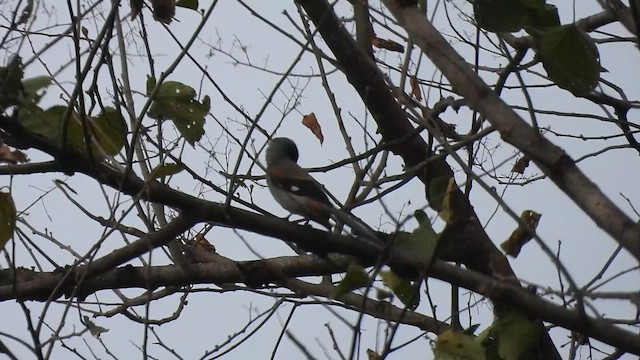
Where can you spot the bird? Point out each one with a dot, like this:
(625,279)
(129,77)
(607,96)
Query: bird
(292,186)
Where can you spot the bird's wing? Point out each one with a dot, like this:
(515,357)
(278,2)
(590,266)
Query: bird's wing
(293,179)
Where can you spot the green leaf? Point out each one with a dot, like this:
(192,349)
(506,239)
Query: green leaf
(515,335)
(500,15)
(10,83)
(570,58)
(543,18)
(188,4)
(176,101)
(32,85)
(355,278)
(74,134)
(453,345)
(7,218)
(440,190)
(176,90)
(94,329)
(151,84)
(423,240)
(484,336)
(514,15)
(49,124)
(42,122)
(533,4)
(163,170)
(110,131)
(405,290)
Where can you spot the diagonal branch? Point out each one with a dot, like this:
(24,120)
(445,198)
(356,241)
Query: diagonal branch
(474,248)
(551,159)
(465,234)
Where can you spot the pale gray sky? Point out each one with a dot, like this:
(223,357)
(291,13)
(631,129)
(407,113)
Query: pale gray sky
(209,317)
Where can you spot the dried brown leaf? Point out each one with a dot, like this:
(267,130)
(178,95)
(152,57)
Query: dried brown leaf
(163,10)
(415,88)
(447,130)
(387,44)
(12,156)
(136,7)
(520,165)
(522,234)
(203,244)
(372,355)
(311,122)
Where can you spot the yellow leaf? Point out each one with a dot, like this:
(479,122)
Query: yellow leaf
(440,196)
(406,291)
(458,345)
(355,278)
(372,355)
(164,170)
(521,235)
(516,335)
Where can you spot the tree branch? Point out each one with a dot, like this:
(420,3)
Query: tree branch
(551,159)
(282,269)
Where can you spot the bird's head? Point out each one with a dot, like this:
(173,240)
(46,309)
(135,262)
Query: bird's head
(281,148)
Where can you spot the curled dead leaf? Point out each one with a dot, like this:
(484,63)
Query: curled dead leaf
(372,355)
(163,10)
(521,165)
(12,156)
(448,130)
(311,122)
(522,234)
(387,44)
(415,88)
(136,7)
(203,244)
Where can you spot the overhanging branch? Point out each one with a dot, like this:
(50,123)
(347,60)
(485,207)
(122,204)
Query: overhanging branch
(551,159)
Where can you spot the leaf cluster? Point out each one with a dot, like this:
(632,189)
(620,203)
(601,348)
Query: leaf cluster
(568,54)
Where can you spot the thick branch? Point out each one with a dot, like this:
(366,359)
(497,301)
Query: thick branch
(281,270)
(621,13)
(551,159)
(473,246)
(522,299)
